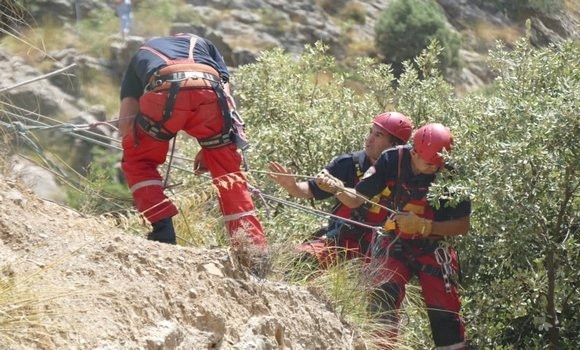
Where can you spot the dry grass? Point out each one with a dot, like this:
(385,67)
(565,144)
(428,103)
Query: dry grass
(29,306)
(358,47)
(572,6)
(489,33)
(199,222)
(22,311)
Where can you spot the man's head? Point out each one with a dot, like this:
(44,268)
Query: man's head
(428,142)
(388,130)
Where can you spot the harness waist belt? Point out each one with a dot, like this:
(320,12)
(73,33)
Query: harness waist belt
(186,67)
(186,79)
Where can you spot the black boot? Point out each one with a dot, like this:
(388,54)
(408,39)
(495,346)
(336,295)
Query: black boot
(163,232)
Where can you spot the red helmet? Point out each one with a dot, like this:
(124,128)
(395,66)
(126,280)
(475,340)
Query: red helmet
(396,124)
(430,140)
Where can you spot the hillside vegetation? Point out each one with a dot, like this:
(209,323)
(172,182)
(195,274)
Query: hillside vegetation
(66,273)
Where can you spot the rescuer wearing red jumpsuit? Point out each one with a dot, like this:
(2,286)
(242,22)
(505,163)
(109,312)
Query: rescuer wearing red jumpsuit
(413,244)
(181,83)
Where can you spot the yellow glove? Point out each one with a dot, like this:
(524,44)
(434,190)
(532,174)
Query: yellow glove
(411,223)
(327,182)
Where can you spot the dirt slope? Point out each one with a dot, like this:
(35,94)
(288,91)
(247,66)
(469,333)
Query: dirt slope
(96,287)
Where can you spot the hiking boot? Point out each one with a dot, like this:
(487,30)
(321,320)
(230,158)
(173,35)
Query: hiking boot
(163,232)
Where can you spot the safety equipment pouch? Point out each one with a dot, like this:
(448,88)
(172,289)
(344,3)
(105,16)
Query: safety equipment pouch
(238,136)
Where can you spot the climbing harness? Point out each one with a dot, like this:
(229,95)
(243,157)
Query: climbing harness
(184,74)
(443,258)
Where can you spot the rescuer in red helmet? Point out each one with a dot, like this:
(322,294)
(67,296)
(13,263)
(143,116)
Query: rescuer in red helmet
(339,238)
(414,241)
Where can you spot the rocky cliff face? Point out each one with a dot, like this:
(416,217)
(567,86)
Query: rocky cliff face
(243,28)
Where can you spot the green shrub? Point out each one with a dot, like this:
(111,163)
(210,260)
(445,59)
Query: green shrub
(518,153)
(515,146)
(407,27)
(303,112)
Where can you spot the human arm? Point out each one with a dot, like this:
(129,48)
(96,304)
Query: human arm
(129,108)
(284,177)
(131,91)
(447,221)
(347,196)
(411,223)
(453,227)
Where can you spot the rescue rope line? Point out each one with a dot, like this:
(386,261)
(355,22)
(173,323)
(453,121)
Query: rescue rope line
(52,167)
(255,190)
(342,188)
(58,71)
(77,128)
(22,129)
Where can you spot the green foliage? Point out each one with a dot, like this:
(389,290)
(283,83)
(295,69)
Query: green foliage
(101,191)
(307,106)
(276,21)
(515,150)
(92,32)
(405,28)
(154,17)
(354,11)
(518,154)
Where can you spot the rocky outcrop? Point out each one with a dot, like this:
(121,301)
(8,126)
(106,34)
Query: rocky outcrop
(40,96)
(103,288)
(553,28)
(63,11)
(241,29)
(38,179)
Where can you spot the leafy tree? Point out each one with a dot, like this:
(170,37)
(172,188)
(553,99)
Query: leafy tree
(515,149)
(518,151)
(406,27)
(302,112)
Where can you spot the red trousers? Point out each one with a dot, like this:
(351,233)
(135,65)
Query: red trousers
(196,112)
(328,251)
(392,270)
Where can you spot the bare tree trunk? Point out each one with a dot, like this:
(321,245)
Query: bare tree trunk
(554,331)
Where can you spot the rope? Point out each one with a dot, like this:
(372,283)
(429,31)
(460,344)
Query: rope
(317,212)
(70,128)
(312,178)
(38,78)
(169,163)
(81,127)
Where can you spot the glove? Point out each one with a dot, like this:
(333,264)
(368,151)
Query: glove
(411,223)
(327,182)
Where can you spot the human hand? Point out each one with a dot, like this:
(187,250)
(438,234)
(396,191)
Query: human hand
(282,175)
(199,166)
(327,182)
(411,223)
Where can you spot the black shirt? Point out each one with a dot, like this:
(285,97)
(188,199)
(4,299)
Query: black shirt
(344,168)
(385,173)
(144,63)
